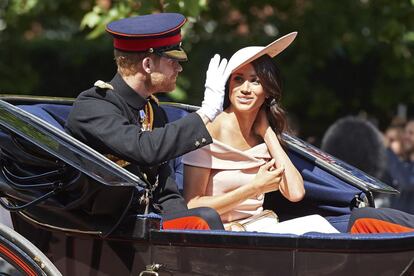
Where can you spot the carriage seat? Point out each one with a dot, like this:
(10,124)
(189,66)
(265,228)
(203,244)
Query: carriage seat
(54,114)
(320,185)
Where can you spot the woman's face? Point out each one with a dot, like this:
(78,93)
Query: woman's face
(246,92)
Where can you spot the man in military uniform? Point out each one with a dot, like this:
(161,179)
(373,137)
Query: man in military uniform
(122,118)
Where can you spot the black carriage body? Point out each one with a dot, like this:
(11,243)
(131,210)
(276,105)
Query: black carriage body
(225,253)
(80,240)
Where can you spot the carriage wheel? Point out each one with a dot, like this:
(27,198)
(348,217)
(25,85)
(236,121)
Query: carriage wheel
(18,256)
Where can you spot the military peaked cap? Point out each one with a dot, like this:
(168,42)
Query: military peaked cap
(154,33)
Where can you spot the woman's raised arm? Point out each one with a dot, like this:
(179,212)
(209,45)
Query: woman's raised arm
(291,185)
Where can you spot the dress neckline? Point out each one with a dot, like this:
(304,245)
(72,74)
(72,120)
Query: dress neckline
(231,148)
(219,155)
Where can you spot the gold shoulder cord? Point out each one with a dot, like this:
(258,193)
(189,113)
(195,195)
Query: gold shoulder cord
(149,112)
(117,160)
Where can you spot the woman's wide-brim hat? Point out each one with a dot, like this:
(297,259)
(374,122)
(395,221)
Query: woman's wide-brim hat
(249,54)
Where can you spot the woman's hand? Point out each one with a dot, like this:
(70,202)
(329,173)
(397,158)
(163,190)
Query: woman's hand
(268,178)
(261,124)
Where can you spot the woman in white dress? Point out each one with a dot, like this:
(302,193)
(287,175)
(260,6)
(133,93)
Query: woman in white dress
(246,159)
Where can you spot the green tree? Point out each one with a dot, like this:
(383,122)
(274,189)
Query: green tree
(349,57)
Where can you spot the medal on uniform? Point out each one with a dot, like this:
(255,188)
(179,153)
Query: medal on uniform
(143,120)
(146,116)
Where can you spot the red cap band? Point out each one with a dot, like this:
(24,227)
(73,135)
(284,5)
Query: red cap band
(140,45)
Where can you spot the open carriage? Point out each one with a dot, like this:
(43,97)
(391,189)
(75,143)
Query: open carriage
(72,204)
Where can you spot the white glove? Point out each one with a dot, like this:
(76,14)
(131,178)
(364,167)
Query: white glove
(216,79)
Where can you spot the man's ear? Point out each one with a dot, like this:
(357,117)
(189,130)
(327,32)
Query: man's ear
(147,65)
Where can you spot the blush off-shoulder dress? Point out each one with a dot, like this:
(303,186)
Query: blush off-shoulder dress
(232,168)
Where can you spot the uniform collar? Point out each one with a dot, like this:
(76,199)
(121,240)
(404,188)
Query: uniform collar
(127,93)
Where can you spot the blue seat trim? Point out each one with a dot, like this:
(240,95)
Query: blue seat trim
(41,113)
(173,113)
(339,222)
(59,112)
(310,235)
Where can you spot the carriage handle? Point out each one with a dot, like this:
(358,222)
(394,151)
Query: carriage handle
(12,208)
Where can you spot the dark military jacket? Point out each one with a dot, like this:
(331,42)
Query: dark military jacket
(109,121)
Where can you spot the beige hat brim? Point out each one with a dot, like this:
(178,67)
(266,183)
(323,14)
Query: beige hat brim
(248,54)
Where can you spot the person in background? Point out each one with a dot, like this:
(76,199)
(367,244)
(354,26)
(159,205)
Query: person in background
(358,142)
(394,137)
(408,140)
(403,170)
(122,118)
(396,154)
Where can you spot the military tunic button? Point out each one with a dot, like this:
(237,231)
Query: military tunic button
(197,143)
(203,140)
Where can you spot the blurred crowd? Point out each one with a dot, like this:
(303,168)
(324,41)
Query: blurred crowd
(399,142)
(387,155)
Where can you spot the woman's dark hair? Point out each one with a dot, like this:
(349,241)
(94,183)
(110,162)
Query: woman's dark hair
(270,79)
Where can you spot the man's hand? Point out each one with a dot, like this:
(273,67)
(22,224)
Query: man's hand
(216,79)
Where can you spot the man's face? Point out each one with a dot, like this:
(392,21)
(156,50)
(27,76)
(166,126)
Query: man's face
(164,77)
(409,137)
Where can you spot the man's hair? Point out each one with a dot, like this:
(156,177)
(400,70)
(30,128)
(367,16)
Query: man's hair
(128,62)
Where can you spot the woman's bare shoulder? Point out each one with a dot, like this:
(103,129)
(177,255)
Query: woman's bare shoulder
(224,129)
(215,127)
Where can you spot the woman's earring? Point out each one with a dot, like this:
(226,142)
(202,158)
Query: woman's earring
(272,102)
